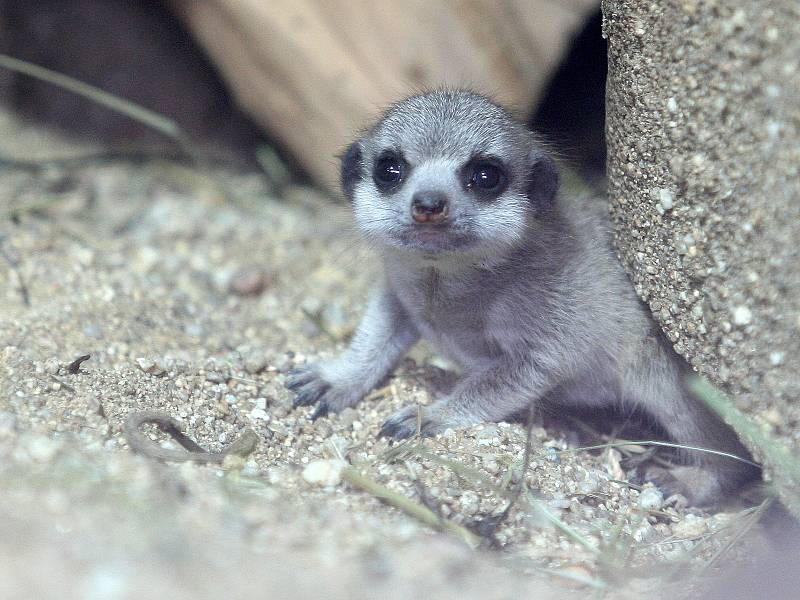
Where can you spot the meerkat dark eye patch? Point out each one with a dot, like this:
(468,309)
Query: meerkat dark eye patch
(388,171)
(350,169)
(543,181)
(486,177)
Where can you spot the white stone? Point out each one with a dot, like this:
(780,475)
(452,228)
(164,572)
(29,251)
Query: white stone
(469,502)
(672,105)
(651,499)
(149,366)
(644,532)
(742,315)
(691,527)
(666,198)
(776,358)
(326,473)
(259,414)
(589,484)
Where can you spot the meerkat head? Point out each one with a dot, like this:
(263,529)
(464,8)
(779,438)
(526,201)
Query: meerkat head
(448,172)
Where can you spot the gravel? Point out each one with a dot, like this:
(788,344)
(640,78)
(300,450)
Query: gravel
(132,264)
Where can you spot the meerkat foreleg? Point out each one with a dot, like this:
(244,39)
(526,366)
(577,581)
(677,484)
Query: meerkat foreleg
(383,337)
(490,393)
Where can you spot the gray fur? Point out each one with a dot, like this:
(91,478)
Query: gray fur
(524,293)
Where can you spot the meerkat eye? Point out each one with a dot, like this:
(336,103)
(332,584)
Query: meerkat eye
(485,176)
(388,171)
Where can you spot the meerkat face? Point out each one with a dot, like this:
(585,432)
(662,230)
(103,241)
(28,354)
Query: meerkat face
(448,172)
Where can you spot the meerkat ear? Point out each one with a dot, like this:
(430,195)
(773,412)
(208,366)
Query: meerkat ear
(543,181)
(350,169)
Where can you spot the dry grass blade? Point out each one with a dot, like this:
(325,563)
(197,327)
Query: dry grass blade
(411,508)
(151,119)
(13,263)
(131,155)
(242,446)
(785,467)
(125,107)
(661,444)
(319,323)
(532,503)
(584,580)
(742,531)
(542,510)
(463,471)
(684,566)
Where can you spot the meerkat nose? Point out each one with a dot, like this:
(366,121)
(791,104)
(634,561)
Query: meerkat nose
(429,207)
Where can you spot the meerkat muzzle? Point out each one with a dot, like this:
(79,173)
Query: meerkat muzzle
(429,207)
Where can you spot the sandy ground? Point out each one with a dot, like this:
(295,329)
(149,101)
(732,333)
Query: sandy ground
(195,294)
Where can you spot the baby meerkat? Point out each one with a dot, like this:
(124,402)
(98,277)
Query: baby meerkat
(518,286)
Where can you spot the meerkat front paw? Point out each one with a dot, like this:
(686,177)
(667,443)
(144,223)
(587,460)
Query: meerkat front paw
(312,386)
(425,420)
(404,423)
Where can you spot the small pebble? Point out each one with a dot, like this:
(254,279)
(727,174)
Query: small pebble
(278,429)
(248,282)
(490,465)
(233,462)
(283,363)
(215,377)
(52,366)
(93,330)
(347,417)
(773,416)
(325,473)
(251,468)
(589,484)
(666,198)
(742,316)
(644,532)
(552,455)
(311,305)
(255,362)
(672,105)
(562,503)
(651,499)
(469,502)
(691,527)
(612,459)
(150,367)
(259,414)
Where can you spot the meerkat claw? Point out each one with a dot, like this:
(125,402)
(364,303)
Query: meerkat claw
(321,410)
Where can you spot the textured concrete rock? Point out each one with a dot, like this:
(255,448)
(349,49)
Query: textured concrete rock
(703,129)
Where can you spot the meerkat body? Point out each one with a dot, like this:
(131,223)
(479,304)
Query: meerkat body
(519,288)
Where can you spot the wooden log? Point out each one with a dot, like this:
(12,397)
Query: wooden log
(311,72)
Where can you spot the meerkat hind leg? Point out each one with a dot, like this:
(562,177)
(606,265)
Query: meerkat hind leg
(705,476)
